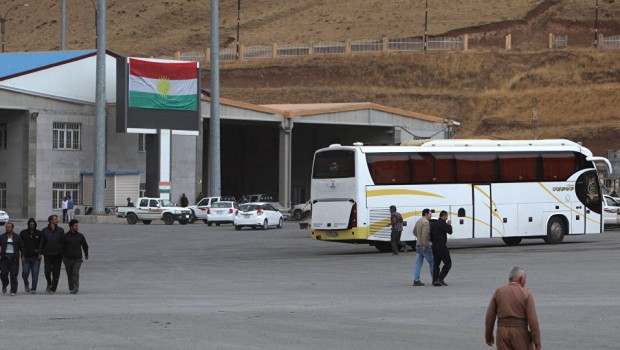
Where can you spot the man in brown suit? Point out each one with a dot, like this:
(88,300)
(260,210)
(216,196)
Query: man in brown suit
(514,308)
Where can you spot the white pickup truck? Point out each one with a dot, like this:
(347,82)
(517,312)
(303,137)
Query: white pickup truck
(149,209)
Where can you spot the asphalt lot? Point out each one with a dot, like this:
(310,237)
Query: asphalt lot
(194,286)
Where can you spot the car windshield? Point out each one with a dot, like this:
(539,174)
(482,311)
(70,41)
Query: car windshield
(221,205)
(249,207)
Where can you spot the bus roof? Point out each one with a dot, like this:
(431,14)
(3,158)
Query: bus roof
(473,145)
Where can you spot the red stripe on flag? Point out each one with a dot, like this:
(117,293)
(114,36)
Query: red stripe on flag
(156,70)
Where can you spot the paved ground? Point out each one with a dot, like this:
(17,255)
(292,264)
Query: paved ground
(194,286)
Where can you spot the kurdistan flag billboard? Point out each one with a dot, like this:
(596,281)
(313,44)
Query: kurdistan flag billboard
(157,94)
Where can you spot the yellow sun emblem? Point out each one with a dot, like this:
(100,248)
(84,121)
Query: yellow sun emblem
(163,86)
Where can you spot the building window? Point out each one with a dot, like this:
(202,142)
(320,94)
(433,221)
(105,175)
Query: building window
(2,195)
(66,135)
(3,135)
(62,189)
(142,190)
(141,142)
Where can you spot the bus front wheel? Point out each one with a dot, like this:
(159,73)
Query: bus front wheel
(512,240)
(556,229)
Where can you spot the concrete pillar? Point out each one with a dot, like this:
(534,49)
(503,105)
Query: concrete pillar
(310,49)
(285,169)
(29,168)
(508,42)
(347,47)
(384,41)
(274,50)
(241,52)
(465,42)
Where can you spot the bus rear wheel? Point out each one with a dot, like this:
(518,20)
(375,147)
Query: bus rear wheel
(383,247)
(512,240)
(556,229)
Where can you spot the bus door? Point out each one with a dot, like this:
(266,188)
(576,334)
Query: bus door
(483,216)
(587,212)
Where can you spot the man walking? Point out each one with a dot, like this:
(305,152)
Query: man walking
(396,220)
(73,244)
(51,248)
(10,251)
(439,237)
(64,205)
(69,208)
(514,308)
(422,232)
(31,261)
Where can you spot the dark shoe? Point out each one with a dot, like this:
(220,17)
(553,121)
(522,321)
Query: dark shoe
(437,284)
(48,289)
(27,288)
(74,291)
(395,253)
(32,291)
(3,290)
(418,283)
(443,283)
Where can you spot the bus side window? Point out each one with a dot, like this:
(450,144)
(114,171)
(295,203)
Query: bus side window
(461,212)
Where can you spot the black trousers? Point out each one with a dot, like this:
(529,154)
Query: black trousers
(72,266)
(441,254)
(52,270)
(9,266)
(395,240)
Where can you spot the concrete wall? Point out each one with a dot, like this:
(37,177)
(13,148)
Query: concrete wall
(12,159)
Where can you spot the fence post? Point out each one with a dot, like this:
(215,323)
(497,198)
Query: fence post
(177,55)
(465,42)
(274,50)
(347,47)
(600,41)
(241,52)
(311,49)
(384,40)
(508,42)
(550,40)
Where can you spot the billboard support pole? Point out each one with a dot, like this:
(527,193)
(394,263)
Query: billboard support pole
(100,98)
(215,186)
(165,138)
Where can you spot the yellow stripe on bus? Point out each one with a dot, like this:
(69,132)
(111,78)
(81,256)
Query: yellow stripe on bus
(377,193)
(564,204)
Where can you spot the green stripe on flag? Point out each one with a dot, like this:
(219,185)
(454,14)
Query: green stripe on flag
(155,101)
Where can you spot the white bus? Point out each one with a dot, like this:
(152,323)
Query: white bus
(509,189)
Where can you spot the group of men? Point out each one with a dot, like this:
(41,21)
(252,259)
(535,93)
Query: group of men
(30,246)
(512,305)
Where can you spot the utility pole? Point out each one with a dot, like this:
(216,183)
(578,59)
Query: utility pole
(63,25)
(425,40)
(215,181)
(596,25)
(238,24)
(99,177)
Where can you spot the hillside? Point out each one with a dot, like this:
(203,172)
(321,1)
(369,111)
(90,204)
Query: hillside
(491,91)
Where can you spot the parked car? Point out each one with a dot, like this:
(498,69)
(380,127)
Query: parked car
(301,211)
(611,209)
(199,210)
(4,217)
(257,215)
(149,209)
(222,212)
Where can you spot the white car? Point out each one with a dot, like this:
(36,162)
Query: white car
(199,210)
(4,217)
(222,212)
(611,208)
(301,211)
(257,215)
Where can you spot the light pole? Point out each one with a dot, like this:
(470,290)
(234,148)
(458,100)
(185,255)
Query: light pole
(426,26)
(3,20)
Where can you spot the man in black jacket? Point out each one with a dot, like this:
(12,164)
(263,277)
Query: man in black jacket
(30,257)
(73,244)
(51,248)
(10,250)
(439,236)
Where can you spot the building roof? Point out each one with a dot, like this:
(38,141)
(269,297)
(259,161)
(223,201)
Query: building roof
(18,63)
